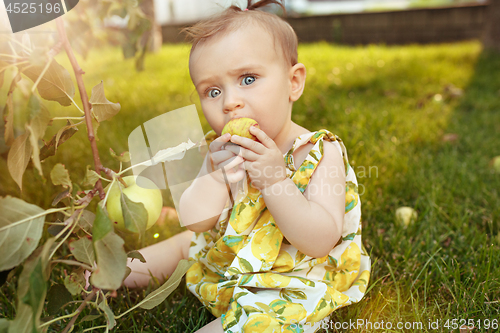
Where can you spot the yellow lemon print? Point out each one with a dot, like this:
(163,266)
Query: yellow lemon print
(223,300)
(322,310)
(266,243)
(209,291)
(194,273)
(272,280)
(351,196)
(362,281)
(335,295)
(293,312)
(220,255)
(299,256)
(261,323)
(284,262)
(349,260)
(344,275)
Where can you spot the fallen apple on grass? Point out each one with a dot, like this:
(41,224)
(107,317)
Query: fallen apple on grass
(406,215)
(150,197)
(495,163)
(241,127)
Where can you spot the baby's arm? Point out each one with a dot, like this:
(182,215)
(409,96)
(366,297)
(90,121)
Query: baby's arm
(203,201)
(313,221)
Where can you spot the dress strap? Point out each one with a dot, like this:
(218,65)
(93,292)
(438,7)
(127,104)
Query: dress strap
(303,174)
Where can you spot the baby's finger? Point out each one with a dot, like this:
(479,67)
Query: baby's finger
(219,142)
(231,163)
(221,156)
(235,176)
(262,136)
(247,154)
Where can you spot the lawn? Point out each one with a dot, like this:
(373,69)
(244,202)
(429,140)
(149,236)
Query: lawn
(395,108)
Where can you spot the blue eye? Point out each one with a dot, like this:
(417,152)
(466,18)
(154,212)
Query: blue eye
(248,80)
(213,95)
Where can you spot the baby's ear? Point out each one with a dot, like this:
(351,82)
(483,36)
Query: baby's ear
(297,81)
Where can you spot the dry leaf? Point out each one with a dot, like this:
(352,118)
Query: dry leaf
(18,158)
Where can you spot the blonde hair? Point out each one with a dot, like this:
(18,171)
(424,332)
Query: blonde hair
(234,18)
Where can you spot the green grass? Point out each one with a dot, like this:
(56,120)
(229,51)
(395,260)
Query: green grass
(391,106)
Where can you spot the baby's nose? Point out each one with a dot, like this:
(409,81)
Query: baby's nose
(232,101)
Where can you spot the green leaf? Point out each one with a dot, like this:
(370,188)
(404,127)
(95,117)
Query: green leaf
(35,151)
(234,271)
(238,295)
(60,176)
(110,316)
(160,294)
(18,158)
(18,242)
(266,308)
(111,262)
(89,318)
(83,251)
(8,113)
(32,288)
(245,279)
(55,85)
(124,157)
(39,116)
(91,177)
(136,255)
(86,221)
(245,265)
(75,282)
(37,287)
(102,108)
(305,281)
(60,196)
(102,224)
(50,148)
(57,296)
(297,294)
(249,309)
(135,216)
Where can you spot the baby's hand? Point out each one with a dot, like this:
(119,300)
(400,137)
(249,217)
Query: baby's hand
(219,157)
(263,160)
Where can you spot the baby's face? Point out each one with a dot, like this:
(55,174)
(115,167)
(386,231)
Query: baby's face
(242,75)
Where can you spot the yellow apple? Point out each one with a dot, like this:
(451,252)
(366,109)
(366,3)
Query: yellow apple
(241,127)
(495,162)
(150,197)
(406,215)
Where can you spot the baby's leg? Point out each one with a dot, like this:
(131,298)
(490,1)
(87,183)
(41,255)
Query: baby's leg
(214,327)
(161,259)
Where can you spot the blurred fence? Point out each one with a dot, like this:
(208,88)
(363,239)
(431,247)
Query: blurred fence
(420,25)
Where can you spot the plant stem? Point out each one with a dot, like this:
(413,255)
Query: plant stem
(71,224)
(57,319)
(48,211)
(41,75)
(107,194)
(79,310)
(74,263)
(94,328)
(64,118)
(111,174)
(85,100)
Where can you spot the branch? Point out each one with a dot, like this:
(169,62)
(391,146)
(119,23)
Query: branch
(85,100)
(111,174)
(79,310)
